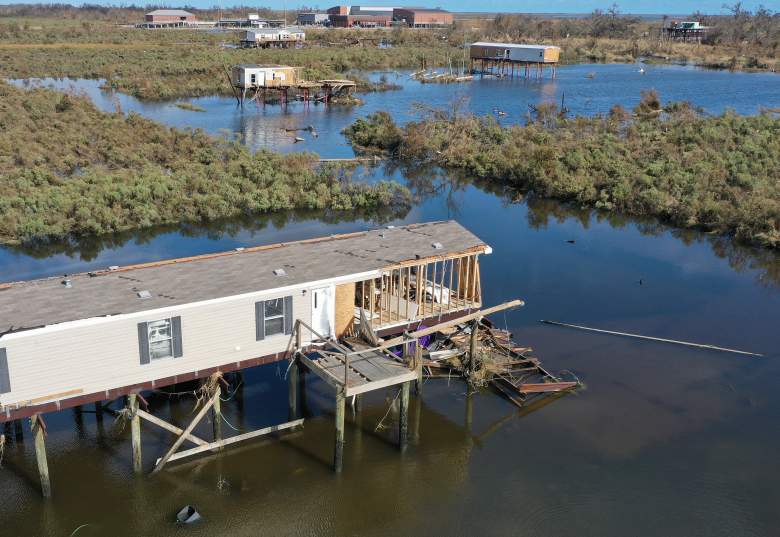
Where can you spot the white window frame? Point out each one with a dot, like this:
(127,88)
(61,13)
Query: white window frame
(266,318)
(170,337)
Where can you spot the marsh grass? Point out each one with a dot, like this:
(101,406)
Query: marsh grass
(68,169)
(717,174)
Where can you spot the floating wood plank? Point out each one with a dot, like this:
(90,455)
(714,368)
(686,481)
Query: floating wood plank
(649,338)
(211,446)
(546,387)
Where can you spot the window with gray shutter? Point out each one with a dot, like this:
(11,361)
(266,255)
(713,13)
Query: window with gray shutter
(160,339)
(143,342)
(288,311)
(5,376)
(260,320)
(176,328)
(273,316)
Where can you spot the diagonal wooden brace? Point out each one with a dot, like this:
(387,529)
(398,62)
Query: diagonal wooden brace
(184,435)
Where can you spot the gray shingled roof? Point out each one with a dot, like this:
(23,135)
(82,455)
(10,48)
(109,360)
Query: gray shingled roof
(47,301)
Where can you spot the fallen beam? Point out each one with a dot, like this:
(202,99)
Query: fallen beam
(662,340)
(211,446)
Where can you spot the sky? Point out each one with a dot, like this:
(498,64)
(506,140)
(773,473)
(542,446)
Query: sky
(670,7)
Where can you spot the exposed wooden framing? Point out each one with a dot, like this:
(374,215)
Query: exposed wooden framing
(398,298)
(422,289)
(441,326)
(473,280)
(478,286)
(466,286)
(433,288)
(418,291)
(38,428)
(338,452)
(451,293)
(408,288)
(432,258)
(372,298)
(180,440)
(220,444)
(381,296)
(135,432)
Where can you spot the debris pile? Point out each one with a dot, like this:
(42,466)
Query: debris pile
(487,356)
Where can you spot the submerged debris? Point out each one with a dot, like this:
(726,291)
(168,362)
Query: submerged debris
(187,515)
(487,356)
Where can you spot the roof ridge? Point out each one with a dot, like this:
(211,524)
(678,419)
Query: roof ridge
(215,255)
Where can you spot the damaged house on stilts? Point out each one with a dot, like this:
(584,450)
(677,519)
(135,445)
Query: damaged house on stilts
(334,306)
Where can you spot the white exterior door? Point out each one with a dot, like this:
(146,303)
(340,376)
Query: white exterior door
(323,310)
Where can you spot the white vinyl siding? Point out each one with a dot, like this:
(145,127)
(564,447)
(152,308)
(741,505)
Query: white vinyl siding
(94,358)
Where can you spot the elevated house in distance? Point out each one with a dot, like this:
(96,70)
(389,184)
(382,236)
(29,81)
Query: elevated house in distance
(502,59)
(686,31)
(257,81)
(273,37)
(264,76)
(97,336)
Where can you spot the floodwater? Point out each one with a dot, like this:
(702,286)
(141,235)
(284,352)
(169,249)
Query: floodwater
(664,440)
(265,127)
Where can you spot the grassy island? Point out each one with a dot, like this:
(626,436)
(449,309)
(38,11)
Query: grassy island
(717,174)
(69,169)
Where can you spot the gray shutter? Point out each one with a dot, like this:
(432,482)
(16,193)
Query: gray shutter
(176,333)
(5,377)
(260,320)
(288,315)
(143,342)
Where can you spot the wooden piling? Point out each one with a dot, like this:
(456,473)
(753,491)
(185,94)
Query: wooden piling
(473,344)
(39,430)
(216,414)
(18,432)
(293,382)
(338,453)
(403,418)
(135,432)
(99,412)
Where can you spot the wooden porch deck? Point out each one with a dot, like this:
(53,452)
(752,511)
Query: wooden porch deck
(368,369)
